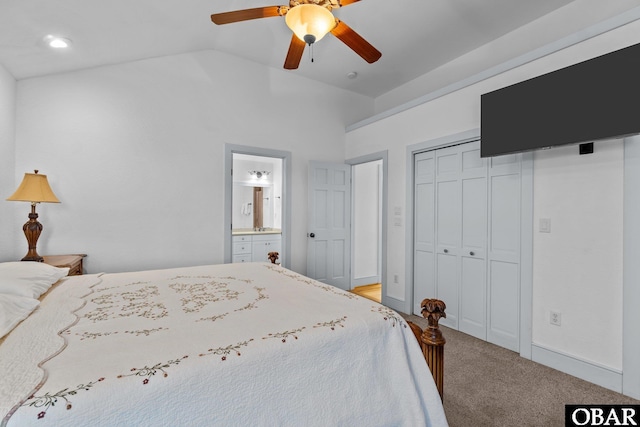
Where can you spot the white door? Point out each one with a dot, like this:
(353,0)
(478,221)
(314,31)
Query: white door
(466,240)
(328,247)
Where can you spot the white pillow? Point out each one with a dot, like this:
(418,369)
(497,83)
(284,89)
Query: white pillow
(28,278)
(13,310)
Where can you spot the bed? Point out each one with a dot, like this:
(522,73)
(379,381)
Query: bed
(232,344)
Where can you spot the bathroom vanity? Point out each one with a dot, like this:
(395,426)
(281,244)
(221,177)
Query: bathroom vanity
(253,246)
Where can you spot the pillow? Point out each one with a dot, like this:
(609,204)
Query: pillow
(28,278)
(13,310)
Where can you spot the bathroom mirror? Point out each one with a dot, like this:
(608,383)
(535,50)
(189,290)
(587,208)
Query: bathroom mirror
(256,198)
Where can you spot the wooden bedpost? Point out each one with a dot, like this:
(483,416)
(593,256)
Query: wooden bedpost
(431,339)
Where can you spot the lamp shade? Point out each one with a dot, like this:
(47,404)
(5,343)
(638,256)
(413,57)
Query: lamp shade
(34,188)
(310,19)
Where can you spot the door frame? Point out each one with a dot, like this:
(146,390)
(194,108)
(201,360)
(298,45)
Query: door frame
(367,158)
(526,233)
(631,269)
(229,151)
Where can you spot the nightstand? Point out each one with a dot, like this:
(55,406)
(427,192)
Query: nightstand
(73,262)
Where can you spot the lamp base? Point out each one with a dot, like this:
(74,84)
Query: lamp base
(32,230)
(36,258)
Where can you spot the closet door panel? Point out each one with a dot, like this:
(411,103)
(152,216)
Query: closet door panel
(424,230)
(424,266)
(473,292)
(447,231)
(473,297)
(448,214)
(504,305)
(424,279)
(474,216)
(447,287)
(504,252)
(505,216)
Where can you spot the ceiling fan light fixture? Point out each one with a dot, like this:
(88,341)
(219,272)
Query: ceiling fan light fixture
(310,22)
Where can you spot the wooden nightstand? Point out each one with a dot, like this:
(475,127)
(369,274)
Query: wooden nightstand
(74,262)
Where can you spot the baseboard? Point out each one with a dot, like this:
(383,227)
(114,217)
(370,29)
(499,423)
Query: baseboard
(588,371)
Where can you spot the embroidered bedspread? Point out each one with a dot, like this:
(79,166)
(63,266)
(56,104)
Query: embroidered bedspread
(224,345)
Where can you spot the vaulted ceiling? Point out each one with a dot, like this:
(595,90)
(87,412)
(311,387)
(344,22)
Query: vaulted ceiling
(414,36)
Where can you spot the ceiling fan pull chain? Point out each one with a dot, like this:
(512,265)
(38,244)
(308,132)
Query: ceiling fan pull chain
(311,51)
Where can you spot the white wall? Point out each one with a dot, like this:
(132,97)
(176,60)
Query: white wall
(10,224)
(135,152)
(458,112)
(578,265)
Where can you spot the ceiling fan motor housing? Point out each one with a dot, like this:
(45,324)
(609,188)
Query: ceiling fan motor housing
(329,4)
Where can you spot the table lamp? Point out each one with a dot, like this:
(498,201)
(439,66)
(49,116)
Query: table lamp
(34,188)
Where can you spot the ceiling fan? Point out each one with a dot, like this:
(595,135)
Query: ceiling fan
(310,20)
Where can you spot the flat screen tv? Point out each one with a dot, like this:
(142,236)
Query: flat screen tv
(588,101)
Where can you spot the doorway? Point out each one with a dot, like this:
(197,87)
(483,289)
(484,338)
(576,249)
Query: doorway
(331,256)
(369,187)
(257,204)
(366,253)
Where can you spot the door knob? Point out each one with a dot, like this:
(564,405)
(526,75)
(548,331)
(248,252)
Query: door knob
(471,253)
(446,251)
(312,235)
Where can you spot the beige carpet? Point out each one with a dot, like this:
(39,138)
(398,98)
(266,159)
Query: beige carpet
(486,385)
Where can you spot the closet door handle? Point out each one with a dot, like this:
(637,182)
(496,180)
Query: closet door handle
(472,253)
(446,251)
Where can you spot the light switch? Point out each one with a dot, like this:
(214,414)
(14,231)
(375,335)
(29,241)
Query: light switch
(545,225)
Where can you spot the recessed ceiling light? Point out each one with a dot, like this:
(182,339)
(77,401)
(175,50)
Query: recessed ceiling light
(57,42)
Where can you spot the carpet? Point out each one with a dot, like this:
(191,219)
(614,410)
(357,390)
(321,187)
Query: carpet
(487,385)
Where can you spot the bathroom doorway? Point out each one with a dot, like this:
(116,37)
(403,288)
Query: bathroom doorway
(257,209)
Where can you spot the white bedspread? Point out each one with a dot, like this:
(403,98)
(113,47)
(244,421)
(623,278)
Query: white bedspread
(227,345)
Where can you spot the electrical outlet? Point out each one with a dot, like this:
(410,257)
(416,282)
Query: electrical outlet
(395,278)
(555,318)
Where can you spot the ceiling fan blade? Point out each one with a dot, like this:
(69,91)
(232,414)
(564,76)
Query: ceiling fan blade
(346,2)
(356,42)
(247,14)
(296,48)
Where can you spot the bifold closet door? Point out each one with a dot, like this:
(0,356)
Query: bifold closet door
(467,240)
(450,234)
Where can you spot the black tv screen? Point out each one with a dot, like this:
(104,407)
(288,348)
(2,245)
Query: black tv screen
(588,101)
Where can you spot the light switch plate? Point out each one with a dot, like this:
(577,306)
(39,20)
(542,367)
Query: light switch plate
(545,225)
